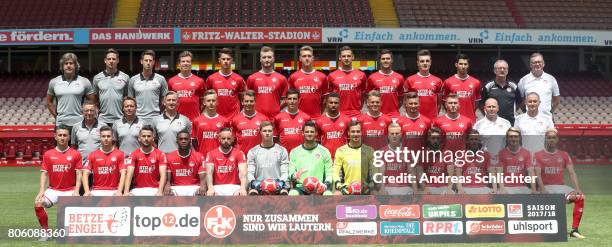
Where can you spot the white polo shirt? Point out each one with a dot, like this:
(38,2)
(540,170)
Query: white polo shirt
(533,130)
(546,86)
(492,133)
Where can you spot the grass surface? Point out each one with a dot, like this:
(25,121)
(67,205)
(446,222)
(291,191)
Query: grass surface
(20,185)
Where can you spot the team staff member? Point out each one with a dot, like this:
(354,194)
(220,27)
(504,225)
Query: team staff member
(354,164)
(86,134)
(189,87)
(269,86)
(533,124)
(148,88)
(68,89)
(126,129)
(207,126)
(542,83)
(146,167)
(348,83)
(492,129)
(310,83)
(388,83)
(186,169)
(466,87)
(227,84)
(169,124)
(504,91)
(110,86)
(427,86)
(107,166)
(226,168)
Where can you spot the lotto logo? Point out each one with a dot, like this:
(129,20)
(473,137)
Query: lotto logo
(220,221)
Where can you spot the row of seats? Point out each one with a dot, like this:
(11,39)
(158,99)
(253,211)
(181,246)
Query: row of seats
(57,13)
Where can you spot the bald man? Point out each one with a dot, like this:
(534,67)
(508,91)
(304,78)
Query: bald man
(492,129)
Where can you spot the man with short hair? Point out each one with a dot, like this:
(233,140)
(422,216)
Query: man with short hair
(542,83)
(269,86)
(388,83)
(426,85)
(61,168)
(310,83)
(110,86)
(466,87)
(373,122)
(289,122)
(186,169)
(348,83)
(475,168)
(504,91)
(207,126)
(414,124)
(435,166)
(189,87)
(454,126)
(227,84)
(333,124)
(146,167)
(170,123)
(492,129)
(226,168)
(148,88)
(86,134)
(397,168)
(246,124)
(310,159)
(107,166)
(354,164)
(268,160)
(515,160)
(533,124)
(126,129)
(68,89)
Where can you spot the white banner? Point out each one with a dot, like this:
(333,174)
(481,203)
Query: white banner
(97,221)
(166,221)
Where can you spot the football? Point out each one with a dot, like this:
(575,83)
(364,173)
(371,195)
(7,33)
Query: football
(354,188)
(310,184)
(269,186)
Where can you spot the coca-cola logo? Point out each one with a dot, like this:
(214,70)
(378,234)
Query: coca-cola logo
(399,212)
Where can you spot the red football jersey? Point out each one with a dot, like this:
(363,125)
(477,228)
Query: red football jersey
(106,168)
(390,87)
(289,128)
(269,90)
(414,131)
(228,88)
(206,130)
(333,131)
(470,169)
(312,86)
(226,165)
(246,130)
(428,88)
(374,130)
(185,170)
(454,131)
(552,166)
(435,168)
(396,169)
(146,167)
(514,163)
(189,91)
(468,91)
(61,168)
(350,85)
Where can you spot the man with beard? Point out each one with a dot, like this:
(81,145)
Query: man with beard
(110,86)
(226,168)
(310,159)
(434,167)
(348,83)
(477,167)
(332,124)
(186,169)
(148,88)
(414,124)
(269,86)
(108,168)
(289,122)
(517,161)
(146,167)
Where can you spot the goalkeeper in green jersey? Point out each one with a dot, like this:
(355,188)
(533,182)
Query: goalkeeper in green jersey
(310,165)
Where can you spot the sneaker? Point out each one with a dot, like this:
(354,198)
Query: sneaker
(576,234)
(44,239)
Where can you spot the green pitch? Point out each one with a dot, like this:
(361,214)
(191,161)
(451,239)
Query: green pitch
(20,185)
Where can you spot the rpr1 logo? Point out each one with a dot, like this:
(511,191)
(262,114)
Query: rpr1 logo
(166,221)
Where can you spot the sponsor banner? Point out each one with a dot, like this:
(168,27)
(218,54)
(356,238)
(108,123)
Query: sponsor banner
(485,227)
(442,211)
(396,228)
(541,210)
(484,211)
(356,228)
(442,227)
(356,212)
(131,36)
(399,211)
(533,227)
(467,36)
(97,221)
(166,221)
(44,36)
(249,35)
(515,210)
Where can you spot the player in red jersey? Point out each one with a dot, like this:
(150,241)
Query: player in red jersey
(426,85)
(474,168)
(186,169)
(207,126)
(108,168)
(389,83)
(333,124)
(414,124)
(515,160)
(227,84)
(374,123)
(226,168)
(289,122)
(454,126)
(311,84)
(464,86)
(61,167)
(269,86)
(189,87)
(434,167)
(146,167)
(397,168)
(246,123)
(550,164)
(348,83)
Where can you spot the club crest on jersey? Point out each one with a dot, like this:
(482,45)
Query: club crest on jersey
(257,123)
(559,159)
(509,90)
(461,125)
(421,125)
(69,158)
(355,78)
(219,125)
(300,120)
(316,79)
(113,159)
(381,124)
(341,124)
(471,86)
(192,84)
(191,164)
(153,161)
(521,159)
(233,83)
(394,80)
(274,80)
(432,83)
(231,159)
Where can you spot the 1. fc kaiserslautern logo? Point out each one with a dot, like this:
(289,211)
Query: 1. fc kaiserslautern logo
(220,221)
